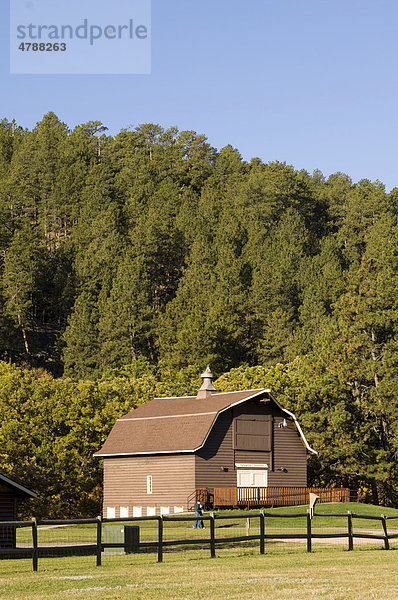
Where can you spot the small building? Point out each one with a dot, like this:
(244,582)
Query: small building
(225,448)
(10,493)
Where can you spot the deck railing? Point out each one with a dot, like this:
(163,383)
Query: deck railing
(276,496)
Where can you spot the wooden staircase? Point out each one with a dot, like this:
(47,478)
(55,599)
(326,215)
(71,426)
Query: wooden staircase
(202,495)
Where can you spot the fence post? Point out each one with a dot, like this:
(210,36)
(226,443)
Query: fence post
(386,540)
(350,535)
(99,540)
(309,539)
(35,554)
(262,533)
(212,536)
(160,539)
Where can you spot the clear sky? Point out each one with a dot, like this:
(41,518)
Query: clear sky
(313,83)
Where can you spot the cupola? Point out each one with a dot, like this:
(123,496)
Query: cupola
(207,386)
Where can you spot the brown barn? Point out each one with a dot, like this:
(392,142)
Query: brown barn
(10,493)
(228,446)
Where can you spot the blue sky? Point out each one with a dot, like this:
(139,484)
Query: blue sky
(313,83)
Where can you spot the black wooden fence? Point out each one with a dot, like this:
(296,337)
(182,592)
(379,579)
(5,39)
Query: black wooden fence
(36,551)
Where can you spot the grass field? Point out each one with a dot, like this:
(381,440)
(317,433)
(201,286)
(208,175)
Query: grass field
(283,573)
(286,571)
(225,528)
(326,522)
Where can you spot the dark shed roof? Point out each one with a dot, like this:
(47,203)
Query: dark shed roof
(176,425)
(18,489)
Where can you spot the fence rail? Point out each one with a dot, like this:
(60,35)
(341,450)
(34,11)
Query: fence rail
(276,495)
(306,533)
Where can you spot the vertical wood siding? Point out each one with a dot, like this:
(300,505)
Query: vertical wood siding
(125,482)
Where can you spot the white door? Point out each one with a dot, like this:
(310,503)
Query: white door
(247,478)
(252,485)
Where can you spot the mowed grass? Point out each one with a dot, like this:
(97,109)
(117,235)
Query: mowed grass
(225,527)
(283,573)
(340,508)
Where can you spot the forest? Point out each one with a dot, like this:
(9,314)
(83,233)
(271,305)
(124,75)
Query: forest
(130,262)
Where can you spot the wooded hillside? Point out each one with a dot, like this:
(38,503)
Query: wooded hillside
(153,248)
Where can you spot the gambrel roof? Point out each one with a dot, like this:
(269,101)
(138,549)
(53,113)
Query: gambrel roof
(177,425)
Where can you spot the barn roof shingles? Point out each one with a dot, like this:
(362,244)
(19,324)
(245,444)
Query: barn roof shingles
(166,425)
(177,425)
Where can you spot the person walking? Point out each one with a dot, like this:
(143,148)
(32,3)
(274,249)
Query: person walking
(198,513)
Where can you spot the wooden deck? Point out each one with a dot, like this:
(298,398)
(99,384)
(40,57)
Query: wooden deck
(276,496)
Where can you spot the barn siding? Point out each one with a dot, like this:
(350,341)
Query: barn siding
(288,450)
(7,513)
(7,507)
(125,482)
(254,408)
(217,453)
(289,453)
(252,457)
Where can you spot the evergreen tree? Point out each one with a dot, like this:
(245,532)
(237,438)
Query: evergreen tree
(126,325)
(276,290)
(350,376)
(81,353)
(19,283)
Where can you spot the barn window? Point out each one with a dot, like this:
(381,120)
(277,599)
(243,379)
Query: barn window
(151,511)
(149,484)
(124,511)
(137,511)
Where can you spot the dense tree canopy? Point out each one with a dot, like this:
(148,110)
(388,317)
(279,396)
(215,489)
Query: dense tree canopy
(137,256)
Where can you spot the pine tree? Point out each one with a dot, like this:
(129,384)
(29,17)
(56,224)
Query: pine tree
(351,373)
(19,283)
(128,317)
(81,353)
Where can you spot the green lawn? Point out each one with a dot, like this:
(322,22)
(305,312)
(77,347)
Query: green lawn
(224,527)
(286,571)
(339,508)
(283,573)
